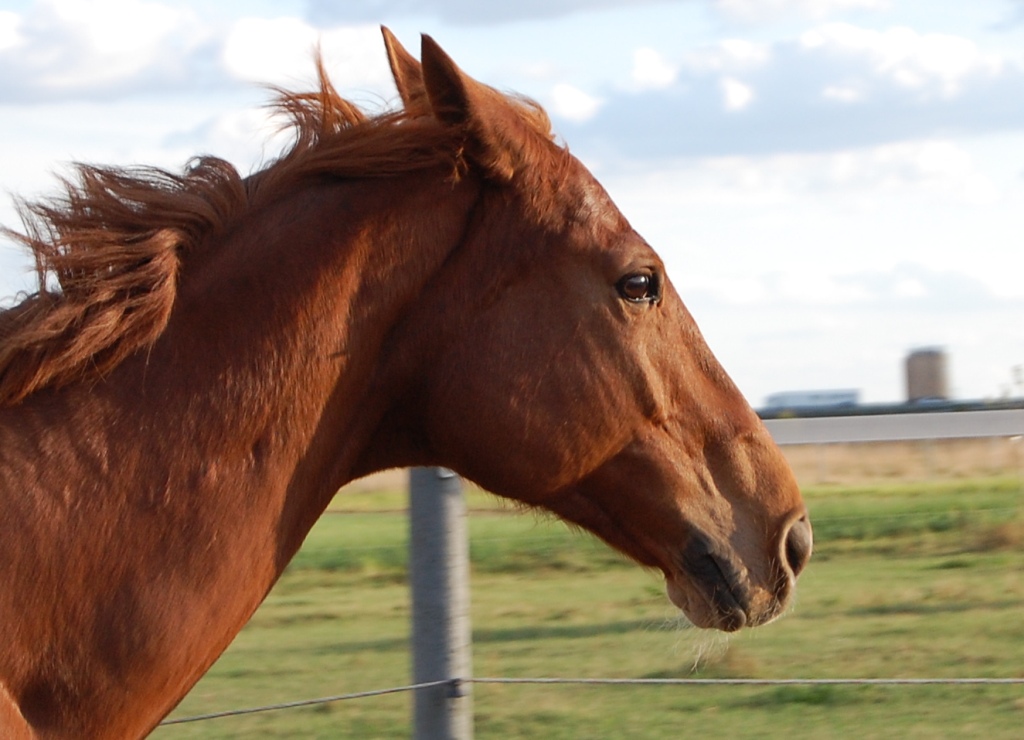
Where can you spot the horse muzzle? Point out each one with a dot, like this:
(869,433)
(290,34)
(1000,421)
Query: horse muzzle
(715,590)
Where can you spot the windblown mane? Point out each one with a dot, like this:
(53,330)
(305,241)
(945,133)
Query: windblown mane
(109,249)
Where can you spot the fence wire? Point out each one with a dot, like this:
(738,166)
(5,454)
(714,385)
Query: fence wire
(309,702)
(755,681)
(455,683)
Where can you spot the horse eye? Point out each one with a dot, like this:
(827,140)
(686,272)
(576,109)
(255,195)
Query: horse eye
(638,287)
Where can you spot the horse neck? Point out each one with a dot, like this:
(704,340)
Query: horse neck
(174,491)
(317,285)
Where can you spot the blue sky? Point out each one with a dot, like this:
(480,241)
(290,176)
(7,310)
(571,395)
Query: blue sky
(831,182)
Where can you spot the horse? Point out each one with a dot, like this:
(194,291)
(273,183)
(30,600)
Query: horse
(208,358)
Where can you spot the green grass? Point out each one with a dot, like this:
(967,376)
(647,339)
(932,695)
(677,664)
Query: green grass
(915,581)
(893,513)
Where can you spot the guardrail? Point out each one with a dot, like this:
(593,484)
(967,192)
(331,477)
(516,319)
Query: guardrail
(897,427)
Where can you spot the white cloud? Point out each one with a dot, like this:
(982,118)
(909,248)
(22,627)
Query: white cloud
(573,104)
(651,71)
(735,94)
(755,11)
(844,93)
(729,55)
(804,326)
(836,86)
(104,49)
(930,168)
(734,290)
(458,11)
(539,69)
(733,220)
(280,51)
(270,50)
(910,287)
(929,62)
(809,287)
(119,29)
(62,48)
(248,137)
(937,167)
(10,30)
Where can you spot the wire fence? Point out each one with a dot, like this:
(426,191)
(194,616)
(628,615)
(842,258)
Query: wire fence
(309,702)
(455,685)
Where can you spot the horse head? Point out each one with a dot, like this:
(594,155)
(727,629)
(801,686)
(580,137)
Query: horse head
(572,378)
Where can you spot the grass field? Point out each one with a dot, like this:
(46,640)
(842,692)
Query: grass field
(908,580)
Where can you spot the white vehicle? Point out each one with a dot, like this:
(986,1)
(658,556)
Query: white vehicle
(810,399)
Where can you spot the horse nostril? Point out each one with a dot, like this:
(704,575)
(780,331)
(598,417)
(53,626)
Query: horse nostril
(799,543)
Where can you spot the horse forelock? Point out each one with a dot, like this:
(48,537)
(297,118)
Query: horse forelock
(108,250)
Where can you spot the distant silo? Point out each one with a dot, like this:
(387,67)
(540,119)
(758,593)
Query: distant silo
(927,375)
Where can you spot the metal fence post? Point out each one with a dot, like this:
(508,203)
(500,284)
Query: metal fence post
(439,578)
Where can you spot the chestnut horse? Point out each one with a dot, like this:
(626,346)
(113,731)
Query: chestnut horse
(208,359)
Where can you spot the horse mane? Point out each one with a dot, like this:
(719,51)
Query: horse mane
(108,250)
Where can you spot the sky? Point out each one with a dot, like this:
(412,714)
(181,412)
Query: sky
(831,183)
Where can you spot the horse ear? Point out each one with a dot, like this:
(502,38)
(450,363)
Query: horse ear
(445,84)
(408,75)
(458,100)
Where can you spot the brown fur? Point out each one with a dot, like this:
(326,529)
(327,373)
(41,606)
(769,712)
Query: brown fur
(108,252)
(210,358)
